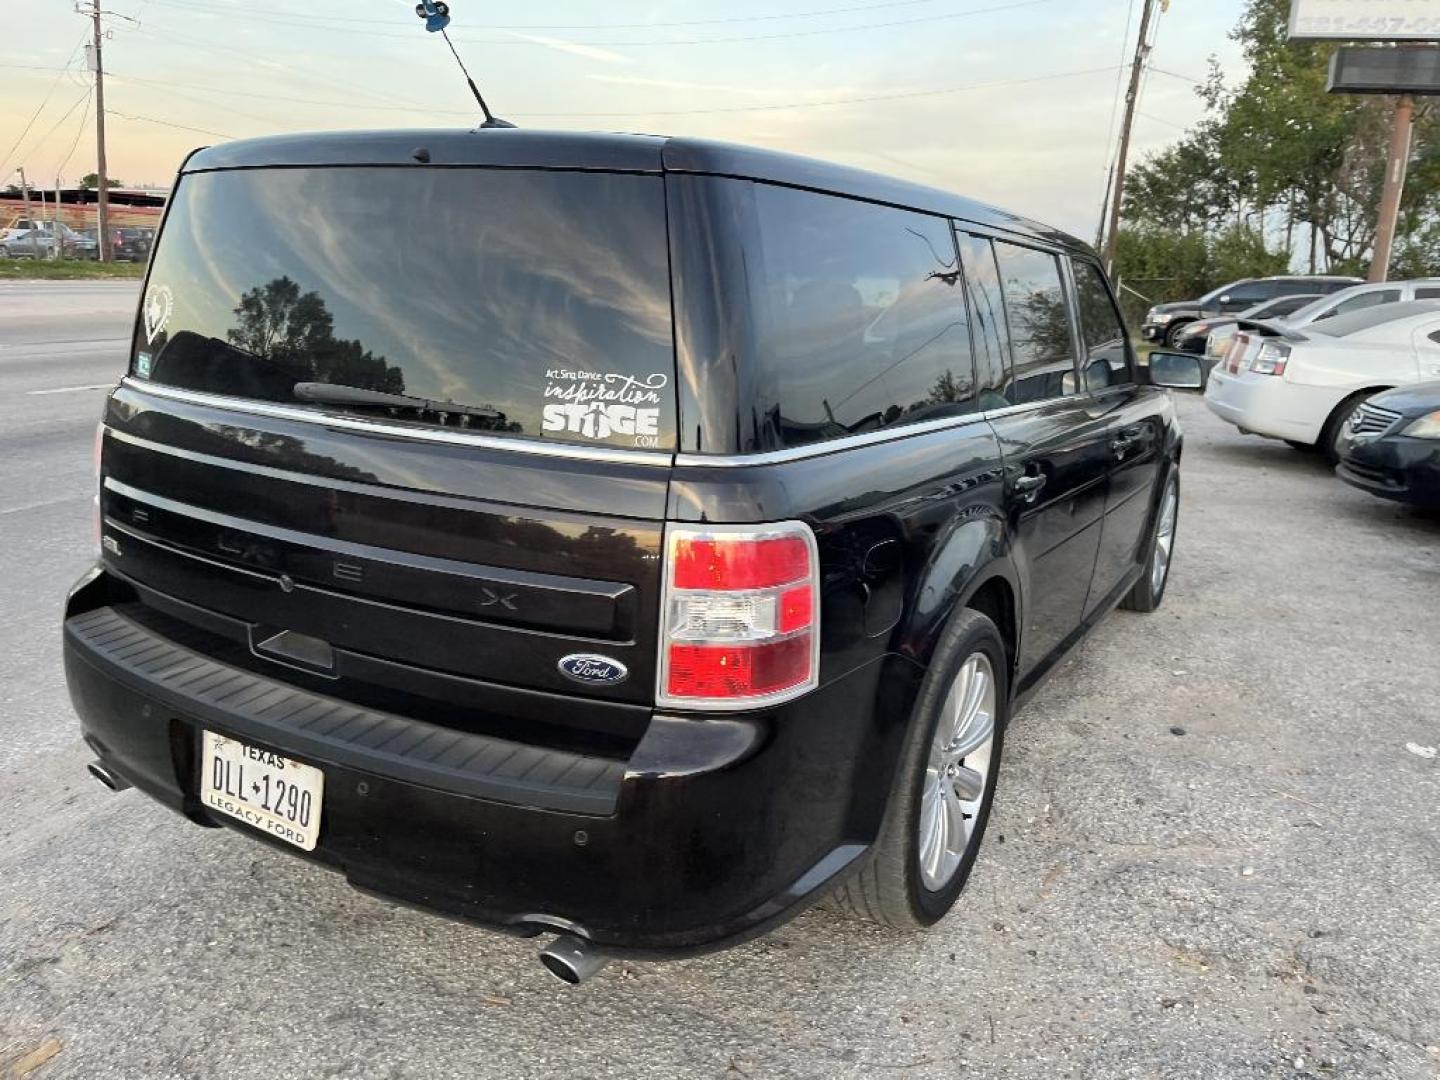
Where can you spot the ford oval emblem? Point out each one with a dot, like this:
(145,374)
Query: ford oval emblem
(595,670)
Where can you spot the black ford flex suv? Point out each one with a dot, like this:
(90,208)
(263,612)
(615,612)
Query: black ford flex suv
(615,537)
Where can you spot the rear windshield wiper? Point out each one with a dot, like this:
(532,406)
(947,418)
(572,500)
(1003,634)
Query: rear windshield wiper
(335,394)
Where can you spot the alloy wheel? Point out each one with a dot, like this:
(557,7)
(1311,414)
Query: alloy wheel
(1164,537)
(957,772)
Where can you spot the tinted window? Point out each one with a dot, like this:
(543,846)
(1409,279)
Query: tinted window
(1276,309)
(1427,294)
(1041,340)
(514,302)
(1251,292)
(987,314)
(1366,300)
(1359,321)
(1107,353)
(1299,286)
(857,316)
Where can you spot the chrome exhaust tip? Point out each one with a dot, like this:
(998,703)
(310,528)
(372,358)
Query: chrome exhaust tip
(106,777)
(572,960)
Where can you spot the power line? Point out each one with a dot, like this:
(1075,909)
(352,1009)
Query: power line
(168,123)
(307,75)
(782,36)
(289,98)
(56,126)
(33,67)
(1177,75)
(1162,120)
(1132,99)
(249,12)
(1114,113)
(45,101)
(84,116)
(771,107)
(901,95)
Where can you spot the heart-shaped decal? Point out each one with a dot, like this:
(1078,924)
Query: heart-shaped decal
(158,307)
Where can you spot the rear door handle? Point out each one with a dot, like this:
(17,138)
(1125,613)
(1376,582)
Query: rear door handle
(1028,486)
(1126,438)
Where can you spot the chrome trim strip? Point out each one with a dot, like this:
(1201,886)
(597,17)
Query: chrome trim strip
(823,449)
(1029,406)
(402,431)
(583,453)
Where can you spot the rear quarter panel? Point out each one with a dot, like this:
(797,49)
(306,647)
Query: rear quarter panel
(906,531)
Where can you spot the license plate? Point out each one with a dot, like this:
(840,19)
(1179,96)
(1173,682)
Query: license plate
(266,791)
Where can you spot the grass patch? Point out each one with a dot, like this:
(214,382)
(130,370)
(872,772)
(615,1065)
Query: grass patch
(67,270)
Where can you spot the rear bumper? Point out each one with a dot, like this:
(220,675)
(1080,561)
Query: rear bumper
(710,832)
(1394,467)
(1264,405)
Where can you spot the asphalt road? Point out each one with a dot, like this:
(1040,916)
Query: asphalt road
(1256,897)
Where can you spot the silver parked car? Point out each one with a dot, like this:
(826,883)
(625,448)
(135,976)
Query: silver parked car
(27,244)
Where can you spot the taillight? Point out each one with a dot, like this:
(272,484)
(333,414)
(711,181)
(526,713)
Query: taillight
(1238,345)
(98,523)
(741,616)
(1271,359)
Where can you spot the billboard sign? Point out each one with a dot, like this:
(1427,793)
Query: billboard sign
(1366,69)
(1365,20)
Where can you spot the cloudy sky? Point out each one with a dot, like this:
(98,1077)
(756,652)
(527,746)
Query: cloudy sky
(1011,101)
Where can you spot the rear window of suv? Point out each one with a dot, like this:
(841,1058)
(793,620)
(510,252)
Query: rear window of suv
(514,302)
(842,317)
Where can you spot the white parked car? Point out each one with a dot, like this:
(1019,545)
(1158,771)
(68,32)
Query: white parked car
(1345,302)
(1302,385)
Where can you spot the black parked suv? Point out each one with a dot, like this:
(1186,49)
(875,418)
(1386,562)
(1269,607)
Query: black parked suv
(625,538)
(1164,322)
(132,244)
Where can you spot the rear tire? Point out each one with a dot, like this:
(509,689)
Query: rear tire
(1149,591)
(897,886)
(1329,444)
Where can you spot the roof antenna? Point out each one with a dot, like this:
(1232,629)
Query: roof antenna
(436,14)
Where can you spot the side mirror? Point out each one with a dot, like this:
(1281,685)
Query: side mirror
(1178,371)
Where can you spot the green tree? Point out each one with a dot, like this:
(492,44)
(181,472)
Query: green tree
(296,332)
(91,182)
(1278,154)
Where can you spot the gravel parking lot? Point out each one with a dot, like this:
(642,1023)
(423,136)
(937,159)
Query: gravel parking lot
(1216,851)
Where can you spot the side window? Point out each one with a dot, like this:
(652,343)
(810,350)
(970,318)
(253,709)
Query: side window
(1107,352)
(1427,294)
(1041,337)
(1365,300)
(1248,295)
(987,315)
(861,320)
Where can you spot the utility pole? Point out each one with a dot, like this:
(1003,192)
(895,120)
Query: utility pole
(1396,165)
(103,186)
(34,232)
(1132,98)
